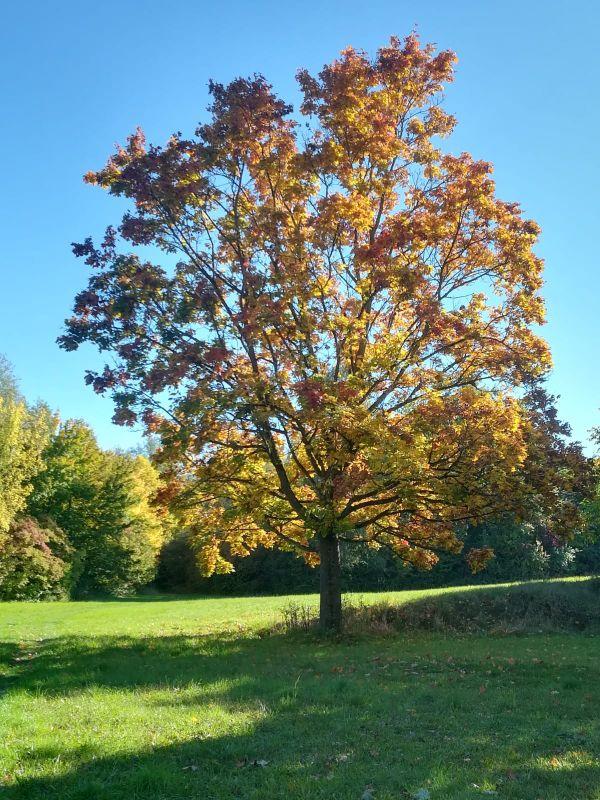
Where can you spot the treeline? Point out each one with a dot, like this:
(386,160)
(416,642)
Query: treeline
(522,551)
(75,520)
(78,521)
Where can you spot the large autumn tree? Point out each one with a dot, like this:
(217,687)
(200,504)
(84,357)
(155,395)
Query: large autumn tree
(326,323)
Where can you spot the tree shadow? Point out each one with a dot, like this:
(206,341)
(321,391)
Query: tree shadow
(149,597)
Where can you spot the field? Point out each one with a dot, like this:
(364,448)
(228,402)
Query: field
(188,698)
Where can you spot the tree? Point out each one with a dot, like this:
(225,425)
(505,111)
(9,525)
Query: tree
(102,501)
(589,555)
(128,533)
(326,325)
(24,433)
(558,476)
(67,490)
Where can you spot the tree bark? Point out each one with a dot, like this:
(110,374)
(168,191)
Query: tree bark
(330,612)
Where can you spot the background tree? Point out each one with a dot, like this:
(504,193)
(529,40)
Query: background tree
(24,433)
(67,489)
(589,557)
(102,501)
(123,552)
(324,325)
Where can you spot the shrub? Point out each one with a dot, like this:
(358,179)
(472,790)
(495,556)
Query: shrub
(34,561)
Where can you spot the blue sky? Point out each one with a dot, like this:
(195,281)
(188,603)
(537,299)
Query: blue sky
(79,76)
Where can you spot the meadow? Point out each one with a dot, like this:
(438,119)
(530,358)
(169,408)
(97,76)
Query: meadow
(173,698)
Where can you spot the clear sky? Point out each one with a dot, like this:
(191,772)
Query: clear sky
(79,76)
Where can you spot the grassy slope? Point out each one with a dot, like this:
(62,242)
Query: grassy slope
(176,698)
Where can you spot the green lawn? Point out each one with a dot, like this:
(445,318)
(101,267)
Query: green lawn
(180,698)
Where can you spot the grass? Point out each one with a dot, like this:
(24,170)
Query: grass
(531,607)
(178,698)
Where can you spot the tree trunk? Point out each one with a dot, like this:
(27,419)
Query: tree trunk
(330,612)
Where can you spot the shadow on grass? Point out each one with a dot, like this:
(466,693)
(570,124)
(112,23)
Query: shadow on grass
(151,597)
(228,766)
(457,716)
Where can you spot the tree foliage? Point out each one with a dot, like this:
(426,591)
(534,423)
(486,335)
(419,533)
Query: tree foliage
(34,561)
(102,501)
(325,324)
(24,433)
(122,553)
